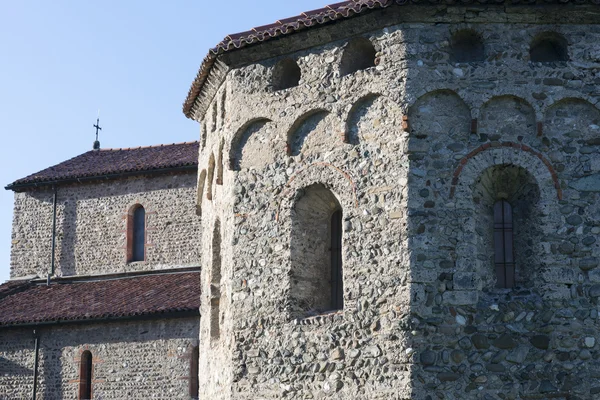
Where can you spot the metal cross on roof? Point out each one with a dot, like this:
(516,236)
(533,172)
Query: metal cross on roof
(98,128)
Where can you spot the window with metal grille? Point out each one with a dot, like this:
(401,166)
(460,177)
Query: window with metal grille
(503,245)
(337,283)
(85,376)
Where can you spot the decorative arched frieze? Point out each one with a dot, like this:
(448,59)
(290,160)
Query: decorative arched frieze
(251,146)
(572,121)
(507,118)
(302,128)
(440,114)
(357,111)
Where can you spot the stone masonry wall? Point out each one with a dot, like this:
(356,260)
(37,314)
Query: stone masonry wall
(414,149)
(92,226)
(130,360)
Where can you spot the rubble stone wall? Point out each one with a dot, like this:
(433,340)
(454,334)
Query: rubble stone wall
(130,360)
(92,226)
(415,150)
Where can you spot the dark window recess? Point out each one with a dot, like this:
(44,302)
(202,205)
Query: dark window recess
(549,47)
(286,74)
(85,376)
(337,282)
(139,234)
(359,54)
(467,46)
(503,245)
(194,359)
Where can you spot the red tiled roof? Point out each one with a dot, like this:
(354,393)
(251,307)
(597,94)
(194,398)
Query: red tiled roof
(26,303)
(309,19)
(114,162)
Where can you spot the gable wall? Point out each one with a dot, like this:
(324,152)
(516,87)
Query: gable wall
(92,226)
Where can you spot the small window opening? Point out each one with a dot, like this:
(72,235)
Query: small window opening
(85,376)
(467,46)
(194,364)
(503,245)
(215,284)
(358,54)
(136,234)
(549,47)
(286,74)
(337,282)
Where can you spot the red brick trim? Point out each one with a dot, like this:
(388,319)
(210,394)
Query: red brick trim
(495,145)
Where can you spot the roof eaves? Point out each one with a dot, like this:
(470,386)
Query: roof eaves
(82,179)
(331,13)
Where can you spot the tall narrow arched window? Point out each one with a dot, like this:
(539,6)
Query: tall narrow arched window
(85,376)
(194,361)
(503,245)
(337,282)
(316,278)
(136,234)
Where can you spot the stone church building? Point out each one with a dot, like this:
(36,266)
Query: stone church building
(388,200)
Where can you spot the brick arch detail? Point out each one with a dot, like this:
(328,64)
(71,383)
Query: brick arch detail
(497,145)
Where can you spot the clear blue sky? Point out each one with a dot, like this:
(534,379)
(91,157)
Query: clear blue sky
(134,60)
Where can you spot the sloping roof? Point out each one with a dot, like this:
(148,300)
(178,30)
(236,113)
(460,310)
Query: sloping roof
(27,303)
(114,162)
(309,19)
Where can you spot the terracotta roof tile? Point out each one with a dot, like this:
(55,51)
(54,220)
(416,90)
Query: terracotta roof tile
(100,163)
(328,14)
(26,303)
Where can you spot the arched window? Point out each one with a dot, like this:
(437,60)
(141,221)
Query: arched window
(85,376)
(549,47)
(286,74)
(316,253)
(507,221)
(503,245)
(194,361)
(215,284)
(467,46)
(136,234)
(358,54)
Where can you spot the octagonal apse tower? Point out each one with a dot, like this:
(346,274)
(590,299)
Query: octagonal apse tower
(400,201)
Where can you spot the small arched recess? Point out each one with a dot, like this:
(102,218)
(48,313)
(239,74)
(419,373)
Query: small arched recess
(467,46)
(507,118)
(572,121)
(252,145)
(286,74)
(359,54)
(304,127)
(549,47)
(440,115)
